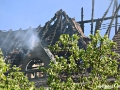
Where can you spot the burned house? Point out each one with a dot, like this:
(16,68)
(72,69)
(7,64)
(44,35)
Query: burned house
(28,48)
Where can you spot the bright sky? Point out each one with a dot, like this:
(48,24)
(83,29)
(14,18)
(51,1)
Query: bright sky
(16,14)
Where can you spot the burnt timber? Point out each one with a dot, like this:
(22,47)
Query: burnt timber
(99,21)
(49,34)
(61,23)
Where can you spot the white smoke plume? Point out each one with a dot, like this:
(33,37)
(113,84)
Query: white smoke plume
(32,39)
(28,39)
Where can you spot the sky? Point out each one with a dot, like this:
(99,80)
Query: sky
(16,14)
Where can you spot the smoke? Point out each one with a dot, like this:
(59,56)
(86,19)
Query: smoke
(22,39)
(31,39)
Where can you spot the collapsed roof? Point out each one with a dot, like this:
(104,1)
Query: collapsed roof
(116,39)
(61,23)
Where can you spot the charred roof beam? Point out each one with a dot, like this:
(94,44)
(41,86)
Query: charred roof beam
(109,28)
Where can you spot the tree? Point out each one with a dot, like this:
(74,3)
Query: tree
(98,55)
(12,78)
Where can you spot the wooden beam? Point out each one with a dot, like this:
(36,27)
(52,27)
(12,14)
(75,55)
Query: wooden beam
(109,28)
(105,14)
(94,20)
(82,24)
(92,16)
(116,20)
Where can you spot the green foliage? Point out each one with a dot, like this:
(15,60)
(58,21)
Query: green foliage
(98,55)
(15,80)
